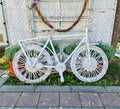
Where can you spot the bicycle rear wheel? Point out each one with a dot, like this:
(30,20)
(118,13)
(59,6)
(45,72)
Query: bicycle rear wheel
(28,73)
(89,69)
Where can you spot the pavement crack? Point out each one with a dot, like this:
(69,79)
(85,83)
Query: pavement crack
(18,99)
(38,100)
(101,101)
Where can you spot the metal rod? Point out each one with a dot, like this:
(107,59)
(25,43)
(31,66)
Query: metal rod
(4,22)
(80,43)
(41,52)
(56,37)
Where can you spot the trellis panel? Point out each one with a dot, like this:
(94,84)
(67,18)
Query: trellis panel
(23,23)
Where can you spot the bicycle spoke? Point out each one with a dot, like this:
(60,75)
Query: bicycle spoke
(28,72)
(89,69)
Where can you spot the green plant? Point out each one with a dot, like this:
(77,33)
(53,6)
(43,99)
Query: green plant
(2,51)
(14,81)
(3,63)
(111,78)
(109,50)
(56,46)
(68,50)
(10,51)
(3,60)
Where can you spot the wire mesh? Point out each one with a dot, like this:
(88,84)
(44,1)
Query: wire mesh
(24,23)
(17,21)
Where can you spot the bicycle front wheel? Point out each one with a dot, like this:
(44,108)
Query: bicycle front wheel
(89,68)
(28,73)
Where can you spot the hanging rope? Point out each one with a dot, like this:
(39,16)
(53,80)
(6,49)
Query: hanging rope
(34,5)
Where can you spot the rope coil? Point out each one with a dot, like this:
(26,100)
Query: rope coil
(51,26)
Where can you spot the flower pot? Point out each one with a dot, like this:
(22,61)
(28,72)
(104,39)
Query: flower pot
(11,70)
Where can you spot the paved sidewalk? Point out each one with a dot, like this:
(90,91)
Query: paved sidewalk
(56,97)
(59,100)
(59,97)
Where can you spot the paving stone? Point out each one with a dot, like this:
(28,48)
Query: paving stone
(92,107)
(87,89)
(52,89)
(6,107)
(112,88)
(3,79)
(28,99)
(70,89)
(90,100)
(71,107)
(9,99)
(42,107)
(69,99)
(1,94)
(51,107)
(17,88)
(58,107)
(110,99)
(49,99)
(25,108)
(112,107)
(2,71)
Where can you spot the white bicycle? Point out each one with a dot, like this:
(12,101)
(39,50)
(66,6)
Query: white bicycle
(37,59)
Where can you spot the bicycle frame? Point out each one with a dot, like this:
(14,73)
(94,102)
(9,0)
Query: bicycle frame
(89,66)
(60,67)
(49,40)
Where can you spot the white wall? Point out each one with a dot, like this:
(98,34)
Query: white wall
(19,18)
(2,29)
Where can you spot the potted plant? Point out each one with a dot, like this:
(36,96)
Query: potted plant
(9,53)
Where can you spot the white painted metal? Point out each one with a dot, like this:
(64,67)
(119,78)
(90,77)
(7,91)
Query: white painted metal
(25,70)
(92,60)
(89,69)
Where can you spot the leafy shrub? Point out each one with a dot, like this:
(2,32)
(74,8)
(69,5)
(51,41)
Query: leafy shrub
(3,63)
(68,50)
(3,60)
(109,50)
(2,50)
(10,51)
(56,46)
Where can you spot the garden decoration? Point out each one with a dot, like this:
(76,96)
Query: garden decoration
(38,58)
